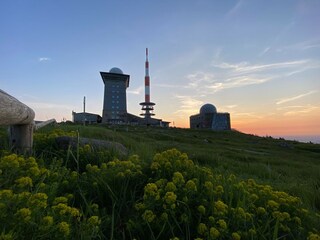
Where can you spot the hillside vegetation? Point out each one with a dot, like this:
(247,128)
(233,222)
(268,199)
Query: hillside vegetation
(171,184)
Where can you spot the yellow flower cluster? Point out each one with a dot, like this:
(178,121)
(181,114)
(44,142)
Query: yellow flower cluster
(64,228)
(64,209)
(94,221)
(220,207)
(24,214)
(148,216)
(24,182)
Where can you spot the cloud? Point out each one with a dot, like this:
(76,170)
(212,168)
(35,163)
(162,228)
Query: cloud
(136,91)
(304,110)
(295,97)
(237,82)
(234,75)
(301,46)
(267,49)
(230,106)
(199,79)
(44,59)
(188,105)
(245,67)
(235,8)
(167,85)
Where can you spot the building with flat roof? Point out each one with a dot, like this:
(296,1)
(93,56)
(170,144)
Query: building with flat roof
(115,96)
(86,118)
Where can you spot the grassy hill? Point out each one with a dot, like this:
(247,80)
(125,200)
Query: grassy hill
(288,166)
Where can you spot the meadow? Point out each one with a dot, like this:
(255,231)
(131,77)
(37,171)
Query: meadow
(170,184)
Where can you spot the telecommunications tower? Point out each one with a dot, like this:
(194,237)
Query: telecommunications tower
(147,106)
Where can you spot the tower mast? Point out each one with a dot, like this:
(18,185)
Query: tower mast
(147,106)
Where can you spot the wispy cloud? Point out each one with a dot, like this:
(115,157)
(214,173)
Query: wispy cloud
(43,59)
(199,79)
(234,75)
(136,91)
(303,110)
(285,100)
(301,46)
(230,106)
(245,67)
(267,49)
(188,105)
(235,8)
(167,85)
(237,82)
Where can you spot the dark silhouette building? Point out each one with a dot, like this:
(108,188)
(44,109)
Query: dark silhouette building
(209,118)
(115,96)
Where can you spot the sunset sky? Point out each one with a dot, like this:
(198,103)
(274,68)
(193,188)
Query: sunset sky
(258,60)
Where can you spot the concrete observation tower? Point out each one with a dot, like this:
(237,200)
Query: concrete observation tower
(147,105)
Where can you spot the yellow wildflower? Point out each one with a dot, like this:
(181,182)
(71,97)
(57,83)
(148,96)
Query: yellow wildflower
(202,209)
(47,220)
(202,229)
(170,198)
(214,233)
(148,216)
(191,186)
(94,220)
(222,224)
(313,236)
(171,187)
(151,190)
(220,207)
(236,236)
(139,206)
(38,200)
(24,214)
(219,190)
(24,182)
(261,210)
(60,200)
(211,220)
(164,217)
(178,178)
(64,228)
(273,204)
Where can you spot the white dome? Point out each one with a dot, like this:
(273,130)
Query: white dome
(208,108)
(116,70)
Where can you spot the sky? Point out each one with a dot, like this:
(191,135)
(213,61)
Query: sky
(258,60)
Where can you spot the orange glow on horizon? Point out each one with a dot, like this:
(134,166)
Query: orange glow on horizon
(273,125)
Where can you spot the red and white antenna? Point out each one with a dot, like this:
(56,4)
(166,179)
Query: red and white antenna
(147,106)
(147,80)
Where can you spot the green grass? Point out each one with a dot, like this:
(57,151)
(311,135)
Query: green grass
(288,166)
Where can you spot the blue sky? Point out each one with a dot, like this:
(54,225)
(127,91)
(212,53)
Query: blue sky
(258,60)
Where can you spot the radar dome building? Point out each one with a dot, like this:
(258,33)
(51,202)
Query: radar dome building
(209,118)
